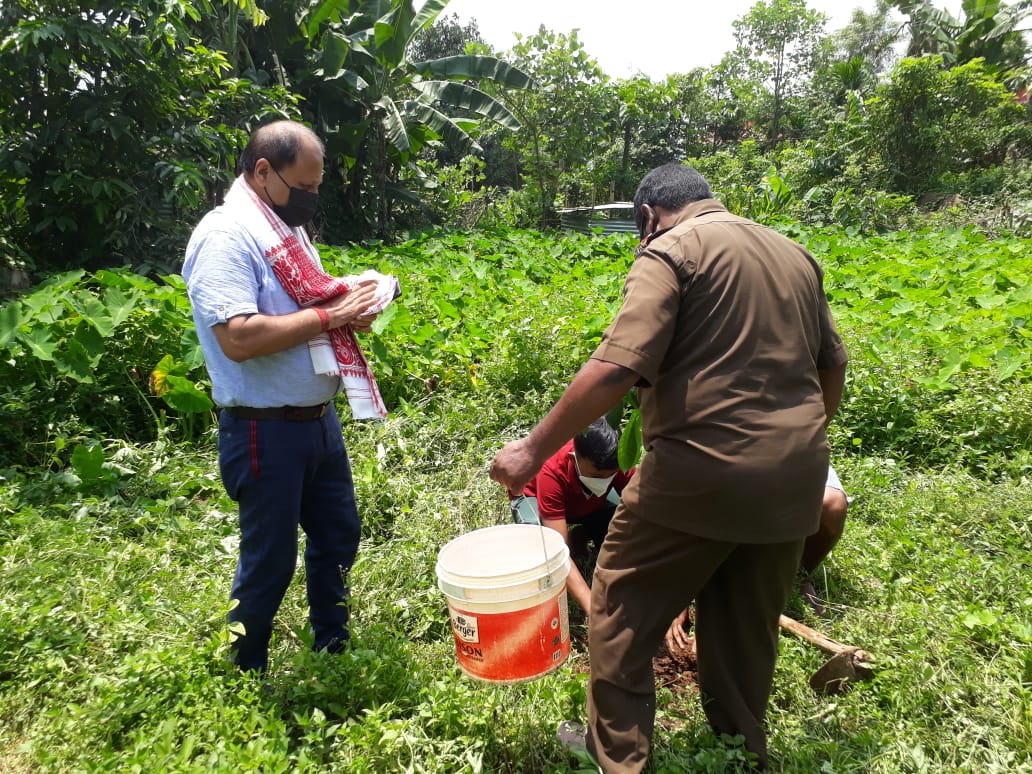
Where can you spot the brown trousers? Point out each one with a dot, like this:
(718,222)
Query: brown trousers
(645,575)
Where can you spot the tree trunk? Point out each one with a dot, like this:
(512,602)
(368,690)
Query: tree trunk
(625,160)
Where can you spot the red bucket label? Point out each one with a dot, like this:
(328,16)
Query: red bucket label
(515,646)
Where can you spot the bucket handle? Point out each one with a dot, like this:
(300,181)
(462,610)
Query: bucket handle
(545,582)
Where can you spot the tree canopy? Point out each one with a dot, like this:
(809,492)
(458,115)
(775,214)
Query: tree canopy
(121,123)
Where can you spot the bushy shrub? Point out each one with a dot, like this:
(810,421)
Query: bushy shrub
(80,354)
(734,174)
(926,122)
(935,324)
(858,211)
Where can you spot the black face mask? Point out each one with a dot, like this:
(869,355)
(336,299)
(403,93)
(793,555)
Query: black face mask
(300,207)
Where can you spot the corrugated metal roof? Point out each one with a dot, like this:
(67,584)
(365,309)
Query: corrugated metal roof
(580,219)
(603,207)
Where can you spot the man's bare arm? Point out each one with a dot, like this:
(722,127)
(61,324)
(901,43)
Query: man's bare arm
(254,335)
(596,388)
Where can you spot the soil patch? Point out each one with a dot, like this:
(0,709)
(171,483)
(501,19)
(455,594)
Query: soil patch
(676,669)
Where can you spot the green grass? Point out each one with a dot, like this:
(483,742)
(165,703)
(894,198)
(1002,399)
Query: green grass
(112,645)
(117,556)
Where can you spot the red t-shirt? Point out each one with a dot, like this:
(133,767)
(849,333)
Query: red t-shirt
(561,495)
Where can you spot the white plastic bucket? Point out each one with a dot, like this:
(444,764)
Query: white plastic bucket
(506,592)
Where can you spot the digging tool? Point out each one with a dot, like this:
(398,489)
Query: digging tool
(846,665)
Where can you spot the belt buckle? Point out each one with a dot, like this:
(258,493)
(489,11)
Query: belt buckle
(293,413)
(303,413)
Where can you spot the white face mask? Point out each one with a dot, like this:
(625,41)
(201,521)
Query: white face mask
(597,486)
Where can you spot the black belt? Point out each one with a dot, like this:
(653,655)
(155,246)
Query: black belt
(289,413)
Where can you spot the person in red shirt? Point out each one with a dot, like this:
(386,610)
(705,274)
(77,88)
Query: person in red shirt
(576,493)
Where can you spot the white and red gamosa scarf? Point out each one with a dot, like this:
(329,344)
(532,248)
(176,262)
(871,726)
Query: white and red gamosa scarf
(295,262)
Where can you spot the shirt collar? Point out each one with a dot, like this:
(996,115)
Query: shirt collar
(689,211)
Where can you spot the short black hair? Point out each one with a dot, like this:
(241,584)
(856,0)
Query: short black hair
(670,186)
(279,143)
(600,444)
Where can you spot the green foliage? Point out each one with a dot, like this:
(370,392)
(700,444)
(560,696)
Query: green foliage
(996,200)
(928,121)
(77,359)
(860,211)
(447,36)
(937,328)
(118,126)
(132,121)
(657,122)
(457,193)
(923,551)
(571,92)
(376,109)
(118,557)
(935,343)
(735,176)
(112,627)
(630,448)
(869,37)
(781,41)
(468,303)
(989,30)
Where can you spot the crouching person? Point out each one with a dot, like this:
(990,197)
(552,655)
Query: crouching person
(576,493)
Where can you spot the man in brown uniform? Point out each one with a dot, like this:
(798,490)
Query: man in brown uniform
(726,330)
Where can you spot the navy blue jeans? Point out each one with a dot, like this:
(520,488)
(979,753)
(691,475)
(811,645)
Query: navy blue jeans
(286,474)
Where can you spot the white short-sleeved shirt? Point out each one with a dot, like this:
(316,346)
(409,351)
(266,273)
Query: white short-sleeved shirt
(227,275)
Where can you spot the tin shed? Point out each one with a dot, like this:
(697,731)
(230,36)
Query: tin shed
(612,218)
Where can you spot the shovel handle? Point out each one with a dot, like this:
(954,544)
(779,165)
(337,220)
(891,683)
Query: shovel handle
(812,636)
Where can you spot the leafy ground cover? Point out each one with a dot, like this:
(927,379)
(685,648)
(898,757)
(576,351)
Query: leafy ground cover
(117,553)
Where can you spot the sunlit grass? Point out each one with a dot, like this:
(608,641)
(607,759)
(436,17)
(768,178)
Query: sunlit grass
(115,588)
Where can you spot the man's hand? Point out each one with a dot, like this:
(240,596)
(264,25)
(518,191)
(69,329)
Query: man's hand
(349,308)
(255,335)
(515,465)
(676,637)
(364,322)
(596,388)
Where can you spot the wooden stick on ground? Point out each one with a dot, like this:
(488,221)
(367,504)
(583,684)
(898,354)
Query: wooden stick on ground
(847,663)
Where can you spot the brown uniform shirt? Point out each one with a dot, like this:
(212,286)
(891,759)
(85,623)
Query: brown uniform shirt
(727,322)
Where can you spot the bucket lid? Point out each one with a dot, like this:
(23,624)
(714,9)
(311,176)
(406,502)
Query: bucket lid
(503,555)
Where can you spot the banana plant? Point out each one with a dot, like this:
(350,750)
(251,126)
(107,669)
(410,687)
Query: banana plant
(987,29)
(376,109)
